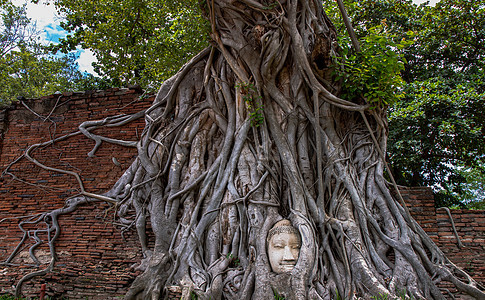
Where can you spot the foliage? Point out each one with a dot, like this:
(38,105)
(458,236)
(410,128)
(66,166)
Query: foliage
(436,129)
(444,108)
(253,103)
(337,295)
(27,69)
(277,296)
(30,74)
(235,262)
(16,29)
(399,17)
(135,42)
(437,136)
(452,40)
(473,194)
(381,297)
(374,72)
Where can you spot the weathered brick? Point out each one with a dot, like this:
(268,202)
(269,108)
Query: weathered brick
(83,231)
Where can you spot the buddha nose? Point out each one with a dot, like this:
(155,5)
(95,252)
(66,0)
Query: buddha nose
(288,255)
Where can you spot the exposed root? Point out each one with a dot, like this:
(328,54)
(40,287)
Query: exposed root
(458,240)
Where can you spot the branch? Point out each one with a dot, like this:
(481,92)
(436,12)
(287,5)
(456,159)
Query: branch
(348,25)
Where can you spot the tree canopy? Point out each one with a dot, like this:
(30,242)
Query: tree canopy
(27,68)
(437,124)
(135,41)
(437,129)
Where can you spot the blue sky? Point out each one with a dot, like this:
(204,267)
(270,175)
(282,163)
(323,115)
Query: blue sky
(48,22)
(53,32)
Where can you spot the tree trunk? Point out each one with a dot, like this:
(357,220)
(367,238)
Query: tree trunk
(252,131)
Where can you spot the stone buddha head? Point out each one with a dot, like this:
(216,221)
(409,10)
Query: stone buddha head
(284,244)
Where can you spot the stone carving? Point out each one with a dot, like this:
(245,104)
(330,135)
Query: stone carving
(284,244)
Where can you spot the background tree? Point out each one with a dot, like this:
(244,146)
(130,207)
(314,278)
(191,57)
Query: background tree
(253,130)
(135,42)
(439,125)
(27,69)
(436,127)
(16,29)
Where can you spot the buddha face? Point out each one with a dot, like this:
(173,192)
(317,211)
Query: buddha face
(283,251)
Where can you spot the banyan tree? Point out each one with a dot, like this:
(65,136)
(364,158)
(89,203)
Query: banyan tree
(252,131)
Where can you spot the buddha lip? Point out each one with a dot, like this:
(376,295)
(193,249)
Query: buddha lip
(286,268)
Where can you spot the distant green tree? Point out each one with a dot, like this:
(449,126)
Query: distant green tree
(474,194)
(16,29)
(135,41)
(436,136)
(27,69)
(437,125)
(30,74)
(437,131)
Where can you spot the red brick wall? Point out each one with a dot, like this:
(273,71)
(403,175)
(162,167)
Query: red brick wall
(470,225)
(94,260)
(420,201)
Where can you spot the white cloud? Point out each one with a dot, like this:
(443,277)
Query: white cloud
(85,60)
(48,23)
(431,2)
(42,14)
(46,19)
(52,33)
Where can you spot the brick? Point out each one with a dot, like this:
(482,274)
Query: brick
(17,199)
